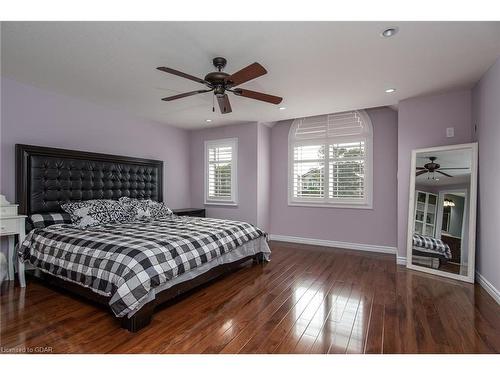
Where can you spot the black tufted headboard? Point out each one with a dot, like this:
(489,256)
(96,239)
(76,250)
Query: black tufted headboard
(47,177)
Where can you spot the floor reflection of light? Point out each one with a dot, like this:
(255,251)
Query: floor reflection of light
(307,310)
(348,331)
(227,326)
(335,321)
(357,339)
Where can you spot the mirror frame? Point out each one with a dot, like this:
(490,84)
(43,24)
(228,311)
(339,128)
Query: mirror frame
(472,213)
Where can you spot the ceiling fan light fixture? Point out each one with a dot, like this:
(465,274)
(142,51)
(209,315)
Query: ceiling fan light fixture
(389,32)
(448,203)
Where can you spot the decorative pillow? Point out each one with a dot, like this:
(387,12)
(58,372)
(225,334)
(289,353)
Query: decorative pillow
(145,208)
(139,208)
(159,209)
(46,219)
(96,212)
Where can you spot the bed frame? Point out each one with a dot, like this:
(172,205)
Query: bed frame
(48,177)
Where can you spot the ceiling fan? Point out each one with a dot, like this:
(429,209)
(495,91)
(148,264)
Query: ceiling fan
(219,82)
(432,167)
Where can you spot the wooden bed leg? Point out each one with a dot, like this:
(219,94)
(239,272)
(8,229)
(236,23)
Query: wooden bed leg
(140,319)
(258,258)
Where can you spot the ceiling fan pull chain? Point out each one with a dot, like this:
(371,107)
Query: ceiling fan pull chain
(213,103)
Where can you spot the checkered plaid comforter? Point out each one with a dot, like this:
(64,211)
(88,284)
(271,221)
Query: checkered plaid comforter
(125,261)
(432,244)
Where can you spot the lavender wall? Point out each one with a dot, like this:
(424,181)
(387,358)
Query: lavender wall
(422,122)
(247,135)
(263,176)
(38,117)
(486,116)
(372,227)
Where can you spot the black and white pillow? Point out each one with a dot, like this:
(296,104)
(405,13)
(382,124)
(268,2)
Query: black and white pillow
(96,212)
(159,209)
(145,208)
(139,208)
(44,220)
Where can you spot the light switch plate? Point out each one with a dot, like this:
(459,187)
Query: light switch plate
(450,132)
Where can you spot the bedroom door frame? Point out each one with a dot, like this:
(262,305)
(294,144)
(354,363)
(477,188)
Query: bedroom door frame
(439,218)
(470,277)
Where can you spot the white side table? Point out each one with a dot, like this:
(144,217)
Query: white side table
(11,226)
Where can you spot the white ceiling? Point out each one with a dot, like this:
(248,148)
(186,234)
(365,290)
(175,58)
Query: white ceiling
(318,67)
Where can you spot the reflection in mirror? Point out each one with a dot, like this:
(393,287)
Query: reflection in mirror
(441,211)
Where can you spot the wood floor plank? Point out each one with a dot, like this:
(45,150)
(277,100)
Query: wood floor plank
(375,335)
(308,299)
(263,322)
(304,333)
(226,333)
(302,313)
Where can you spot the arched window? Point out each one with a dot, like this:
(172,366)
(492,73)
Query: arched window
(330,160)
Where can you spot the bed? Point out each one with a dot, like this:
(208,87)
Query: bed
(130,266)
(430,251)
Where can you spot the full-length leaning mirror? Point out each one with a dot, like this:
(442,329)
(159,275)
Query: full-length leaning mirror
(442,211)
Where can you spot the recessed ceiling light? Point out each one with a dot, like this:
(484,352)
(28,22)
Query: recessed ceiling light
(282,108)
(208,120)
(390,31)
(390,90)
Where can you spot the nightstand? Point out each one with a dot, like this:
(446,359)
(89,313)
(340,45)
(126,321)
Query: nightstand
(198,212)
(11,225)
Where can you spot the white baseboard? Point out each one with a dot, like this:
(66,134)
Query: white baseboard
(492,291)
(401,260)
(339,244)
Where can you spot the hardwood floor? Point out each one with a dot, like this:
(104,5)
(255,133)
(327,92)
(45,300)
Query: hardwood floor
(308,299)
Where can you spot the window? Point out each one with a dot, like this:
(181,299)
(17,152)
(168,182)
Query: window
(330,160)
(220,171)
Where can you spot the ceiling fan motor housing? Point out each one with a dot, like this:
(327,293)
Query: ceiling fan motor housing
(216,78)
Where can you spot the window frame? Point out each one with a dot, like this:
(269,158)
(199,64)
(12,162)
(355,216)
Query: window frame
(233,142)
(367,138)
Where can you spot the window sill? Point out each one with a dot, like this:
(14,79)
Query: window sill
(215,203)
(334,205)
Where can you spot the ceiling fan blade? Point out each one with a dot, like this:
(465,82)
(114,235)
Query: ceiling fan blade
(181,74)
(246,74)
(420,168)
(421,172)
(224,105)
(445,174)
(178,96)
(453,168)
(258,96)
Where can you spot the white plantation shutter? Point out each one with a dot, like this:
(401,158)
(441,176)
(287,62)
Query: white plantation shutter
(346,176)
(220,171)
(330,160)
(309,171)
(333,125)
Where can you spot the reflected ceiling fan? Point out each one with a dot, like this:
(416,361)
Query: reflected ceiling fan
(432,167)
(219,82)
